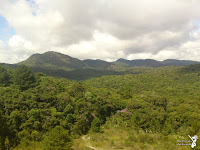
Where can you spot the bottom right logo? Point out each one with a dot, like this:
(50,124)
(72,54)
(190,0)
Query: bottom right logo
(194,140)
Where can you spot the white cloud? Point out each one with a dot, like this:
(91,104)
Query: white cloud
(103,29)
(16,42)
(97,48)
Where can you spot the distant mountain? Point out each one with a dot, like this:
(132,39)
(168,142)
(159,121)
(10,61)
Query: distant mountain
(175,62)
(154,63)
(97,64)
(141,62)
(9,65)
(124,61)
(61,61)
(53,60)
(61,65)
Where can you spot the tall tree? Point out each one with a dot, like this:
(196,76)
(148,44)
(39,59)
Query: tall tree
(4,132)
(24,77)
(57,138)
(95,126)
(4,76)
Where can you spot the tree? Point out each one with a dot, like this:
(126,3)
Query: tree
(96,123)
(16,118)
(4,76)
(58,138)
(5,132)
(78,90)
(7,143)
(24,77)
(126,92)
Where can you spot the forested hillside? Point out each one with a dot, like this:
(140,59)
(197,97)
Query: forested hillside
(38,108)
(152,109)
(63,66)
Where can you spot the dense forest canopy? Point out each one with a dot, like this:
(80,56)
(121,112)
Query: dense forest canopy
(40,110)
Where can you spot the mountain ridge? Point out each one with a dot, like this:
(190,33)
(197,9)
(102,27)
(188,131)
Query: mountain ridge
(60,59)
(61,65)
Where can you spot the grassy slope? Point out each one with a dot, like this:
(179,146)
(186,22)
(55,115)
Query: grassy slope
(119,138)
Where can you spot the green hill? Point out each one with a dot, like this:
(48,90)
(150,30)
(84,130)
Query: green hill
(61,65)
(154,63)
(53,60)
(97,64)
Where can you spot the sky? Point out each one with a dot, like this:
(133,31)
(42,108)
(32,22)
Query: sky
(100,29)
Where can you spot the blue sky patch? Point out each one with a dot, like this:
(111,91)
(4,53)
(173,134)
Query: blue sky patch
(5,30)
(32,4)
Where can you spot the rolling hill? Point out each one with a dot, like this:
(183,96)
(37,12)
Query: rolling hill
(154,63)
(61,65)
(53,60)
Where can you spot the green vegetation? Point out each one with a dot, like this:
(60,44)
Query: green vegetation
(95,126)
(57,138)
(63,66)
(23,77)
(150,110)
(38,108)
(117,137)
(4,76)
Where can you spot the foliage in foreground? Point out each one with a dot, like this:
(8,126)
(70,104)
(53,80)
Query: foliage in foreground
(35,109)
(30,112)
(57,138)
